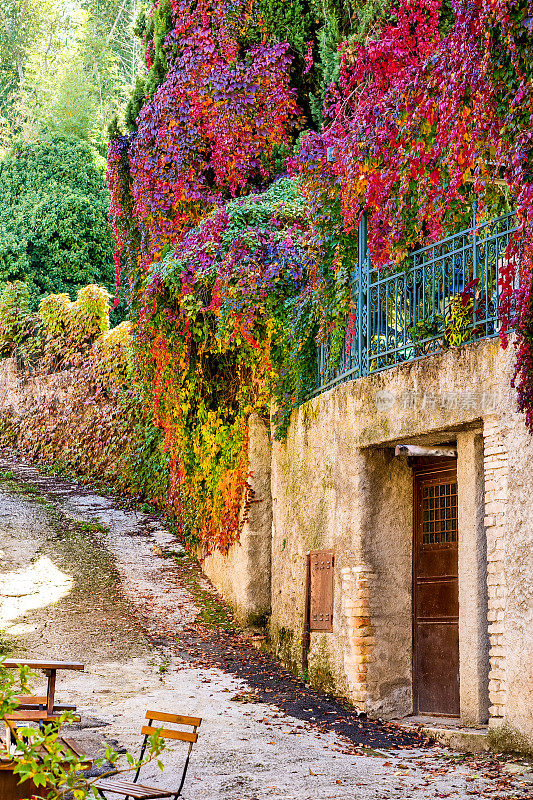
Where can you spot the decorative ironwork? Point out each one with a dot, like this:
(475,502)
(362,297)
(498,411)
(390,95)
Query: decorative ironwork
(401,314)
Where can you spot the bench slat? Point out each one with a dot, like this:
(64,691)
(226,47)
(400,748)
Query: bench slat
(177,719)
(136,790)
(182,736)
(33,703)
(29,699)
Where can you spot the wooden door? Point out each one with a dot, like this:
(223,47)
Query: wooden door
(436,589)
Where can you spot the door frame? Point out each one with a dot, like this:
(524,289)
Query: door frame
(423,466)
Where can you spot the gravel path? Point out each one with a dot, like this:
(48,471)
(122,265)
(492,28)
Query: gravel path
(83,579)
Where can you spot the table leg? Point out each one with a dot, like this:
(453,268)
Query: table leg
(50,691)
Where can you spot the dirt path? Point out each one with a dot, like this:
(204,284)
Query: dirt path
(82,579)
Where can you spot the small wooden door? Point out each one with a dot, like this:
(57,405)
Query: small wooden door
(436,589)
(321,590)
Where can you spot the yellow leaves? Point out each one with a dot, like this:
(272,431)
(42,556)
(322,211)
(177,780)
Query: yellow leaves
(70,324)
(55,311)
(120,336)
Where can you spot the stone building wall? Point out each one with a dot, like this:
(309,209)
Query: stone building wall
(337,484)
(508,522)
(243,575)
(496,464)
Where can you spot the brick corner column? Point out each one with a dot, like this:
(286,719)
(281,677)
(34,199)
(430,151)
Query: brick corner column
(361,640)
(496,464)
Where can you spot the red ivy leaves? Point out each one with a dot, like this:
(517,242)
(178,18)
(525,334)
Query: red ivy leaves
(418,121)
(214,125)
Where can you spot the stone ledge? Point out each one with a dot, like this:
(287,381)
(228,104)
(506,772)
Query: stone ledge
(468,740)
(450,733)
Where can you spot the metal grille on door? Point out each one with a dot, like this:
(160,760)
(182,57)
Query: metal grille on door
(439,514)
(321,564)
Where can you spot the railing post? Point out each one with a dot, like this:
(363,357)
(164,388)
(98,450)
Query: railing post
(362,300)
(474,258)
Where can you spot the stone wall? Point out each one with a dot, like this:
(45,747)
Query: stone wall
(243,575)
(337,484)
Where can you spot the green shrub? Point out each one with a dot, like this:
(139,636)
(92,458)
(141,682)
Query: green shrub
(54,231)
(71,327)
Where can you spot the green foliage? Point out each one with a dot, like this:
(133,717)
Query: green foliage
(71,108)
(425,328)
(12,683)
(22,23)
(54,231)
(339,21)
(288,22)
(66,67)
(115,51)
(460,321)
(153,31)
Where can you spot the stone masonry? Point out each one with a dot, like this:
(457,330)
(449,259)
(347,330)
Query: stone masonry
(496,463)
(361,634)
(336,484)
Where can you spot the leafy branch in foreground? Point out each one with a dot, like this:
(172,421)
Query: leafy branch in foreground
(40,754)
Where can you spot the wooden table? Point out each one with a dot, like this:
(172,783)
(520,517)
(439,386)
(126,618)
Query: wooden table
(33,708)
(37,709)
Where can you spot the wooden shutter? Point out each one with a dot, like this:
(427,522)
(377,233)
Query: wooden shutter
(321,563)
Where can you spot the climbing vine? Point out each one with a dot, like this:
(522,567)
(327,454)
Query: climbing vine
(402,111)
(430,112)
(217,344)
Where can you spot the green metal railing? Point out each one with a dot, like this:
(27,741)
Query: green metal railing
(401,315)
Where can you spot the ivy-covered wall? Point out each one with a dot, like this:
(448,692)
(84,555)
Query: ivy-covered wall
(315,112)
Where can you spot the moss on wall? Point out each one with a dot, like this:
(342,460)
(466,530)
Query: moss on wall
(506,739)
(287,646)
(320,669)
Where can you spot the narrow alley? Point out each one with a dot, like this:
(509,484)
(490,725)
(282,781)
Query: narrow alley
(83,579)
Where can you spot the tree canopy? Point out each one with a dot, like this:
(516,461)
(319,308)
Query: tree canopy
(54,231)
(66,66)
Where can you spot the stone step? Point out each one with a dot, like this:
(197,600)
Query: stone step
(450,734)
